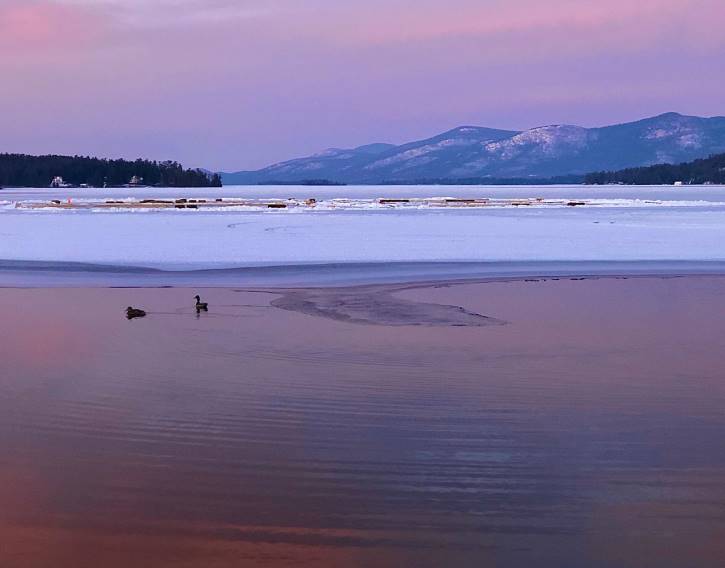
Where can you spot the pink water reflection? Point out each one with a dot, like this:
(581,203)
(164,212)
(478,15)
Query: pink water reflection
(588,431)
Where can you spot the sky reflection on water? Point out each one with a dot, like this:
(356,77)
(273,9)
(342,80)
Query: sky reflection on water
(588,431)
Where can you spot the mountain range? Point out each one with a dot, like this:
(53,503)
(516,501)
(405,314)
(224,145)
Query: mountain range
(476,152)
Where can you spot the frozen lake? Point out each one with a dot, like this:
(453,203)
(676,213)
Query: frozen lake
(684,193)
(665,225)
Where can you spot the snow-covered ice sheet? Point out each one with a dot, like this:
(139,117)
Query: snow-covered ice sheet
(197,240)
(620,230)
(135,205)
(711,193)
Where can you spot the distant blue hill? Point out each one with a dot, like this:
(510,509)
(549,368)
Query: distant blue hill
(475,152)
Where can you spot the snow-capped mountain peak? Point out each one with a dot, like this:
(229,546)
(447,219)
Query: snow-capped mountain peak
(474,151)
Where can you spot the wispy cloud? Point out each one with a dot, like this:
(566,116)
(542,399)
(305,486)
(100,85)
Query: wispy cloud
(166,13)
(533,24)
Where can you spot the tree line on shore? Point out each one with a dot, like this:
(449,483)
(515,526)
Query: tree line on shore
(705,170)
(21,170)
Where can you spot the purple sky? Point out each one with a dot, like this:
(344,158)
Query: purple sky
(236,84)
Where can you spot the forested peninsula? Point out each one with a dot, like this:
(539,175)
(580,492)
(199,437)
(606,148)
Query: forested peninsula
(706,170)
(20,170)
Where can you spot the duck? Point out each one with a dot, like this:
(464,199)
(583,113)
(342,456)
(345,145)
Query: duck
(201,305)
(132,313)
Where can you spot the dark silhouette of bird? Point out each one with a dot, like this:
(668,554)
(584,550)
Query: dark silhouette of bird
(201,306)
(133,313)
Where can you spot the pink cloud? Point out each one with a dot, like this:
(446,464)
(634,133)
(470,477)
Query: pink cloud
(555,21)
(31,28)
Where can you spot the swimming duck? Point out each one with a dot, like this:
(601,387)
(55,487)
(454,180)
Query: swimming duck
(132,313)
(201,305)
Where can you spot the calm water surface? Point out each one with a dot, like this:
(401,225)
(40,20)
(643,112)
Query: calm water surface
(589,431)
